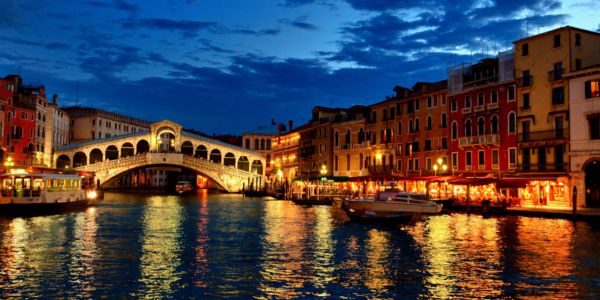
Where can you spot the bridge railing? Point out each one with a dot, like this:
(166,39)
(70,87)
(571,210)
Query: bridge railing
(111,164)
(203,163)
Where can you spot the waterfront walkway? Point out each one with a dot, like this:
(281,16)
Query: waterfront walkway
(567,212)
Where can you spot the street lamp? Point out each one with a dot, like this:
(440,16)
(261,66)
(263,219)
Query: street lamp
(323,170)
(9,163)
(440,165)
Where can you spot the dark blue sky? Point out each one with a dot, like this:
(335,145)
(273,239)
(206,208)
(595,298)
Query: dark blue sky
(227,66)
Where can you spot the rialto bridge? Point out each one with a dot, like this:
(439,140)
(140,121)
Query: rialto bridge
(165,144)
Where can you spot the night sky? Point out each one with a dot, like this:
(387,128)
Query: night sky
(225,66)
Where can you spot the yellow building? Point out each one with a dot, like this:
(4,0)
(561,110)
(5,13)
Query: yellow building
(543,107)
(350,146)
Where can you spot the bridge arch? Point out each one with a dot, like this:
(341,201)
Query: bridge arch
(63,162)
(257,167)
(201,152)
(215,156)
(142,146)
(112,152)
(96,156)
(187,148)
(127,150)
(79,159)
(229,159)
(243,164)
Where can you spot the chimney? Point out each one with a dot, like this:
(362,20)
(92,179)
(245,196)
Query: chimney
(55,100)
(290,125)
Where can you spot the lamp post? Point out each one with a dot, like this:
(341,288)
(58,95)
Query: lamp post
(9,163)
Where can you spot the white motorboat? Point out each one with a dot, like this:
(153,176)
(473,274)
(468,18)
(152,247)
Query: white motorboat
(399,206)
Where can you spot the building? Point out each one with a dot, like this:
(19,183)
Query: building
(286,150)
(584,115)
(91,123)
(543,108)
(261,140)
(56,129)
(350,146)
(317,142)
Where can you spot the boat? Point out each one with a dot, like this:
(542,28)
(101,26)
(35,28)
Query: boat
(381,207)
(42,193)
(183,187)
(320,196)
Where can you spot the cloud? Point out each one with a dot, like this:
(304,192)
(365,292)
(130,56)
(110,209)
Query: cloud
(20,41)
(300,23)
(188,28)
(57,46)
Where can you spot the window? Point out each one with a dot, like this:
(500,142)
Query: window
(512,156)
(415,146)
(392,113)
(23,115)
(526,80)
(427,145)
(411,127)
(399,164)
(444,121)
(526,101)
(454,160)
(453,105)
(348,162)
(454,130)
(512,122)
(384,117)
(99,122)
(558,95)
(429,102)
(481,157)
(511,93)
(417,125)
(525,50)
(481,126)
(398,108)
(592,88)
(495,127)
(467,101)
(468,128)
(594,123)
(416,104)
(578,40)
(444,143)
(399,128)
(495,158)
(480,99)
(428,163)
(416,164)
(374,119)
(557,41)
(577,64)
(410,107)
(429,123)
(494,96)
(468,159)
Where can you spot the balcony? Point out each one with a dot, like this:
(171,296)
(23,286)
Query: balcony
(525,81)
(466,110)
(479,108)
(487,139)
(380,170)
(353,146)
(555,75)
(543,135)
(479,82)
(558,167)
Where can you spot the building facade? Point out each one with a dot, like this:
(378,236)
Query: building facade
(92,123)
(56,129)
(584,113)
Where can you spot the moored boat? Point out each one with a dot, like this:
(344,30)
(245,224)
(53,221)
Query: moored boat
(42,193)
(402,206)
(183,187)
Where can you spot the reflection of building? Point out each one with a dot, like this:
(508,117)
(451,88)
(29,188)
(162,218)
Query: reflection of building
(92,123)
(584,102)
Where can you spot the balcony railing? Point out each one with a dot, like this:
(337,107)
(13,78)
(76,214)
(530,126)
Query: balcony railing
(555,75)
(479,140)
(558,167)
(544,135)
(525,81)
(482,81)
(353,146)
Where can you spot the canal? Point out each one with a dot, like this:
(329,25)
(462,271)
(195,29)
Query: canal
(225,246)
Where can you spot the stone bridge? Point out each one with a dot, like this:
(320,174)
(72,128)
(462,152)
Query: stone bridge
(165,144)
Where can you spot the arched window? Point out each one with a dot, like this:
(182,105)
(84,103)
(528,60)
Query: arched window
(494,124)
(454,130)
(256,144)
(268,160)
(399,127)
(429,123)
(444,121)
(348,162)
(348,137)
(360,162)
(247,143)
(411,126)
(481,126)
(417,124)
(512,122)
(268,144)
(335,165)
(468,128)
(336,138)
(263,145)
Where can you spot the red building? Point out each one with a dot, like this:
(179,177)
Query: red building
(483,107)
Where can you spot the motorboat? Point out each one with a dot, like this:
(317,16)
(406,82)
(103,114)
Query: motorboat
(42,193)
(183,187)
(398,207)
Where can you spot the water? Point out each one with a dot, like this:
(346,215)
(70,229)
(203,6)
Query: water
(225,246)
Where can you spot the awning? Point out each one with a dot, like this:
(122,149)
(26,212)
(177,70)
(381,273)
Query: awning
(473,181)
(319,178)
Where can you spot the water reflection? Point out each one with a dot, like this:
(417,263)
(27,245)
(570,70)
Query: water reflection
(201,268)
(378,252)
(161,252)
(83,253)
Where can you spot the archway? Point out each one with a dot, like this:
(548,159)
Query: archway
(112,152)
(166,142)
(243,164)
(79,159)
(127,150)
(229,159)
(201,152)
(215,156)
(96,156)
(63,162)
(592,185)
(142,147)
(257,167)
(187,148)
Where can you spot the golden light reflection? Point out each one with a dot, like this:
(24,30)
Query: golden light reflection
(161,251)
(84,251)
(378,252)
(322,264)
(201,262)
